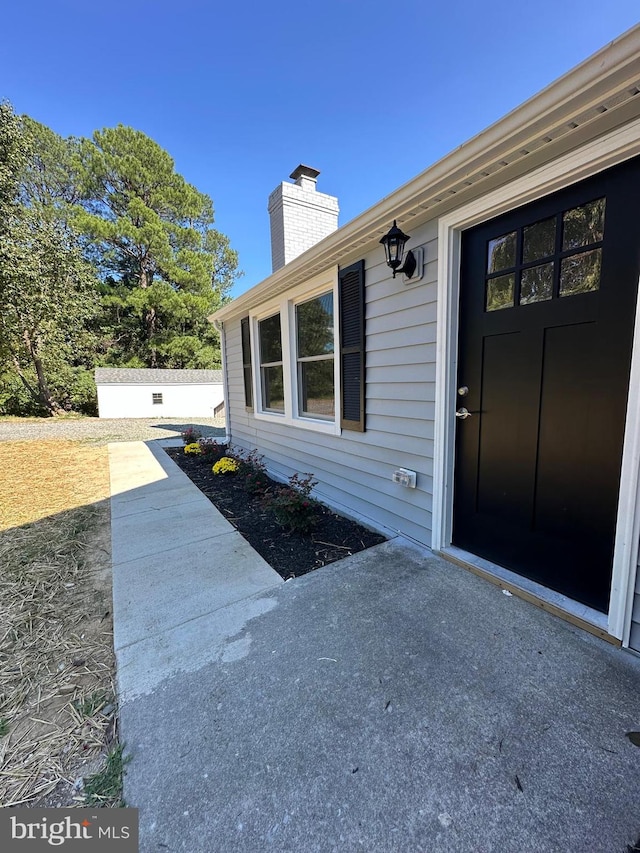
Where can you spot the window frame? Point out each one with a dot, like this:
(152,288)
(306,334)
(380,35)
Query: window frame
(297,361)
(286,307)
(270,364)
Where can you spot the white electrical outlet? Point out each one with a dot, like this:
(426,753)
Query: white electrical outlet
(404,477)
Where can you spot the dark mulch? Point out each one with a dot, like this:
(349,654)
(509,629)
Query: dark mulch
(291,554)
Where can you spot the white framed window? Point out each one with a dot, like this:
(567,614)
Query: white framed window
(314,323)
(271,364)
(296,371)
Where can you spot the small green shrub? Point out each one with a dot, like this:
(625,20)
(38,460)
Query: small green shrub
(253,469)
(292,505)
(212,450)
(190,435)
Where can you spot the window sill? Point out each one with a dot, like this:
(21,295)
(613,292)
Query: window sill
(327,427)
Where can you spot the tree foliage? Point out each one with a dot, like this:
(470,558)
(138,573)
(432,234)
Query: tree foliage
(165,267)
(46,285)
(46,288)
(107,256)
(14,155)
(51,180)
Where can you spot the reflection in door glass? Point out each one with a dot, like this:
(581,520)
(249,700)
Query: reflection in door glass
(580,273)
(583,225)
(539,240)
(502,253)
(500,292)
(536,284)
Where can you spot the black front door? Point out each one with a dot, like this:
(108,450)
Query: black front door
(547,306)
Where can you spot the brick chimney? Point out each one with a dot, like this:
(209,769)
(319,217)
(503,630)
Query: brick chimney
(300,216)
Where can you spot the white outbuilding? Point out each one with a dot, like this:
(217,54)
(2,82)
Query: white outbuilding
(143,393)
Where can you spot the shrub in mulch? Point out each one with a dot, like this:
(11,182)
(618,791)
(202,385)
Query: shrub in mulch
(293,532)
(190,435)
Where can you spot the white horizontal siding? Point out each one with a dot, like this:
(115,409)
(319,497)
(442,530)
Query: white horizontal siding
(354,470)
(420,356)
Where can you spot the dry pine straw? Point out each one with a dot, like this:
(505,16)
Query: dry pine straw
(56,646)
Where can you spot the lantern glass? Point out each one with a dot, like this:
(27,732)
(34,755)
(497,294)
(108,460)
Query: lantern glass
(393,243)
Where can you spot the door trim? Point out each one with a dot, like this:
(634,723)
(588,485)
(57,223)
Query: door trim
(586,161)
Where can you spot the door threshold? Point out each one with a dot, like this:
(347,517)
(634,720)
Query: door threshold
(553,602)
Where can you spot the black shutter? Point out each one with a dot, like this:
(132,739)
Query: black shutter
(352,347)
(246,363)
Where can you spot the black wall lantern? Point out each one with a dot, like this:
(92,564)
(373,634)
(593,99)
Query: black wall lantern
(393,243)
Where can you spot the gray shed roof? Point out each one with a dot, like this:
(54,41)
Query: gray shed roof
(141,376)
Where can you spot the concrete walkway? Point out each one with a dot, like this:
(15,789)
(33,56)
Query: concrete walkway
(387,702)
(184,580)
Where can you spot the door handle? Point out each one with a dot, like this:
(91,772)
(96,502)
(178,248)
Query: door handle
(463,413)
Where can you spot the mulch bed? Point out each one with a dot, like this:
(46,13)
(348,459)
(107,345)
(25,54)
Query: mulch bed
(291,554)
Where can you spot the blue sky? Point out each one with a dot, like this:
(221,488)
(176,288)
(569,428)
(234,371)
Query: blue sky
(370,93)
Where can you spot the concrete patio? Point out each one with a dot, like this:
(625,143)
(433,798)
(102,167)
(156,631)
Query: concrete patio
(387,702)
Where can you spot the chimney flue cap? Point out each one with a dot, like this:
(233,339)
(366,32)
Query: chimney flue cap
(303,171)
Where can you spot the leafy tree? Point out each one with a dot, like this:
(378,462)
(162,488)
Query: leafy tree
(107,255)
(52,178)
(164,267)
(46,287)
(14,153)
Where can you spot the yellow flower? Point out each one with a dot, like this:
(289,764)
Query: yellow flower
(226,465)
(193,448)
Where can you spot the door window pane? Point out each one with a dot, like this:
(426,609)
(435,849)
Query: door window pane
(580,273)
(583,225)
(502,253)
(317,396)
(539,240)
(536,284)
(500,292)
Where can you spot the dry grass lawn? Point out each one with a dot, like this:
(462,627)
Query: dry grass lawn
(57,706)
(41,478)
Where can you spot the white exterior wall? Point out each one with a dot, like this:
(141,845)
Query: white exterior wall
(353,469)
(178,401)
